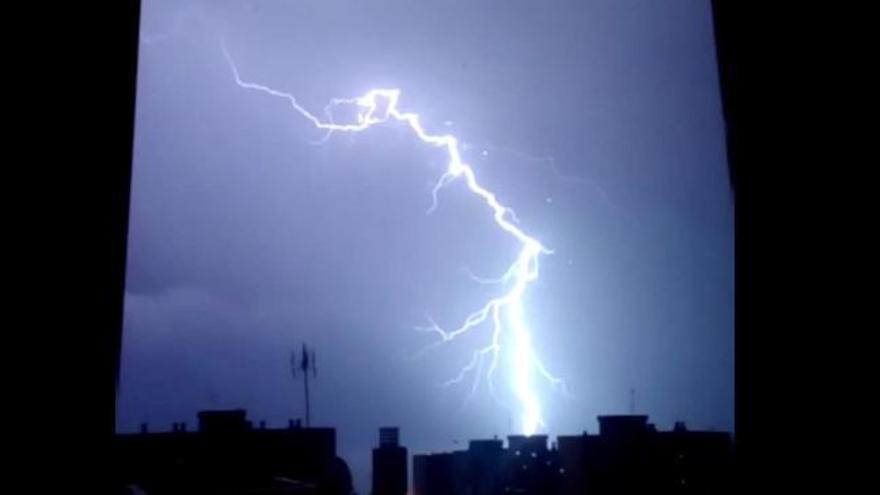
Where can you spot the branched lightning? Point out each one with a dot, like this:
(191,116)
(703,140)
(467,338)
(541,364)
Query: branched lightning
(506,312)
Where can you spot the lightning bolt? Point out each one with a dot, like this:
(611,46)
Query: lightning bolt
(506,312)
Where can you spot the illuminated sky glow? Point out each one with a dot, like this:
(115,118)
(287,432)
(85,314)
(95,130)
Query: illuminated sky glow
(379,106)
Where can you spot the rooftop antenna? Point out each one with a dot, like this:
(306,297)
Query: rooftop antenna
(632,401)
(306,364)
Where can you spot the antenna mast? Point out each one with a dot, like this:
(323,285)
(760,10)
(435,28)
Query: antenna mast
(307,363)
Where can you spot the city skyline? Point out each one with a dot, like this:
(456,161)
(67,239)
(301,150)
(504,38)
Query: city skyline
(228,450)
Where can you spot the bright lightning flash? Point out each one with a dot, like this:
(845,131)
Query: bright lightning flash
(379,106)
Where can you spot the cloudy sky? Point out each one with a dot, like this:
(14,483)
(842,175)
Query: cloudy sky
(598,122)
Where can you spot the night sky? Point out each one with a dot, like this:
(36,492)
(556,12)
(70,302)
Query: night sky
(599,123)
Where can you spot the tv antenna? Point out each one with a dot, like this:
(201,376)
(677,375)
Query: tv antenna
(307,363)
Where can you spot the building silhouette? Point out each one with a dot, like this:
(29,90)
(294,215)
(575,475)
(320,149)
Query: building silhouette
(486,467)
(389,464)
(628,455)
(228,455)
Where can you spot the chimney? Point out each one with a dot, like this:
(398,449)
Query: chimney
(144,428)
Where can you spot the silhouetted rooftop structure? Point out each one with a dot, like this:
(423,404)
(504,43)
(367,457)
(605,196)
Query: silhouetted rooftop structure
(223,421)
(486,447)
(527,445)
(227,455)
(628,455)
(622,425)
(389,464)
(388,437)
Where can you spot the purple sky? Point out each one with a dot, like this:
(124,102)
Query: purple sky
(246,239)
